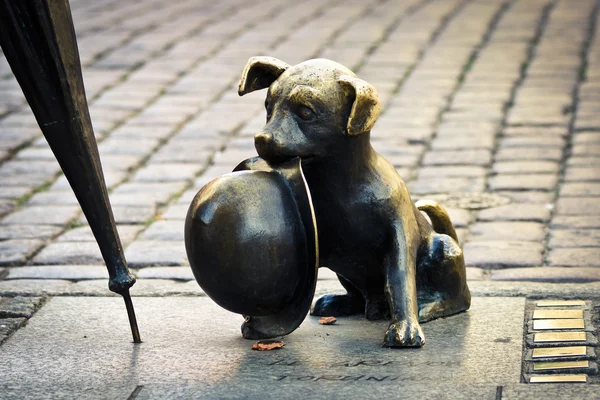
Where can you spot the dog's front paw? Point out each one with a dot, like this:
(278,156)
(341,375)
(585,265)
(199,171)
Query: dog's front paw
(404,334)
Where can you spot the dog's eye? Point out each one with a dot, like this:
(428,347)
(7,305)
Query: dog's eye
(305,113)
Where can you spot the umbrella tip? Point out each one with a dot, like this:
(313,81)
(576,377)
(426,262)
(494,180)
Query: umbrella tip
(135,332)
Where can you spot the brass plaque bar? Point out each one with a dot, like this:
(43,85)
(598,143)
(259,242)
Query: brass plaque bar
(567,351)
(560,303)
(549,365)
(558,378)
(550,324)
(558,314)
(542,337)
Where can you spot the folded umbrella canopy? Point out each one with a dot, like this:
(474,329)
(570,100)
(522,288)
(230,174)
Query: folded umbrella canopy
(38,39)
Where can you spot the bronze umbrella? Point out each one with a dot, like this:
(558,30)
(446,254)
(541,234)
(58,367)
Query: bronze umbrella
(38,39)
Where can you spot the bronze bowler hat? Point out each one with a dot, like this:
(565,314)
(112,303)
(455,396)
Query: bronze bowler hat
(251,241)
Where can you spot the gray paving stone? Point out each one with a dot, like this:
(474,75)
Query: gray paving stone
(153,195)
(523,182)
(171,230)
(588,149)
(126,215)
(60,391)
(526,231)
(53,197)
(460,218)
(41,232)
(43,215)
(475,274)
(125,146)
(577,206)
(69,253)
(19,307)
(35,153)
(586,137)
(167,172)
(309,386)
(13,192)
(176,273)
(6,206)
(536,131)
(176,212)
(580,189)
(479,157)
(463,142)
(575,257)
(519,167)
(538,290)
(89,328)
(62,272)
(528,153)
(516,212)
(446,185)
(582,174)
(574,238)
(127,234)
(17,251)
(502,254)
(31,180)
(575,222)
(549,391)
(29,167)
(8,326)
(533,141)
(155,287)
(471,171)
(34,287)
(581,161)
(548,274)
(144,253)
(528,196)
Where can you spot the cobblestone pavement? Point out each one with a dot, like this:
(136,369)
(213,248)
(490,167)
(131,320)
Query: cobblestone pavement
(478,96)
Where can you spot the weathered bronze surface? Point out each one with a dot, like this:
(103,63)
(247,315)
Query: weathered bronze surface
(550,365)
(39,42)
(567,351)
(567,378)
(550,324)
(558,314)
(251,240)
(391,261)
(542,337)
(559,303)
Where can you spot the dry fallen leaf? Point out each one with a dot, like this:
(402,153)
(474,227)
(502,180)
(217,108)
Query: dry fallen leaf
(327,320)
(268,345)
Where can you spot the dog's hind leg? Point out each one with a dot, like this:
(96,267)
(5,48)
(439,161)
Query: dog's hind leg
(442,280)
(338,305)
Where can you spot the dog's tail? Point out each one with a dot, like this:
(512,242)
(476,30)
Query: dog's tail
(440,220)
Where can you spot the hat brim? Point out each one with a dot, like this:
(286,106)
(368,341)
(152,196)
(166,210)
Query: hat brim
(291,316)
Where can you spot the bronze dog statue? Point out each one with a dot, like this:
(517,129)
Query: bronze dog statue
(391,261)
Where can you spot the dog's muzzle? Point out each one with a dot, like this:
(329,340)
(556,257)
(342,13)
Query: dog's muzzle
(266,148)
(263,143)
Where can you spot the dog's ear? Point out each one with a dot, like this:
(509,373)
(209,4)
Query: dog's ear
(259,73)
(365,108)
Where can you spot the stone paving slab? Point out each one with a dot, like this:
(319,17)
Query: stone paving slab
(548,274)
(154,287)
(191,341)
(479,96)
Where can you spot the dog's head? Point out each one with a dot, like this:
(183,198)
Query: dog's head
(311,107)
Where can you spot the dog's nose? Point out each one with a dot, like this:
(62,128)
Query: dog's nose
(262,142)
